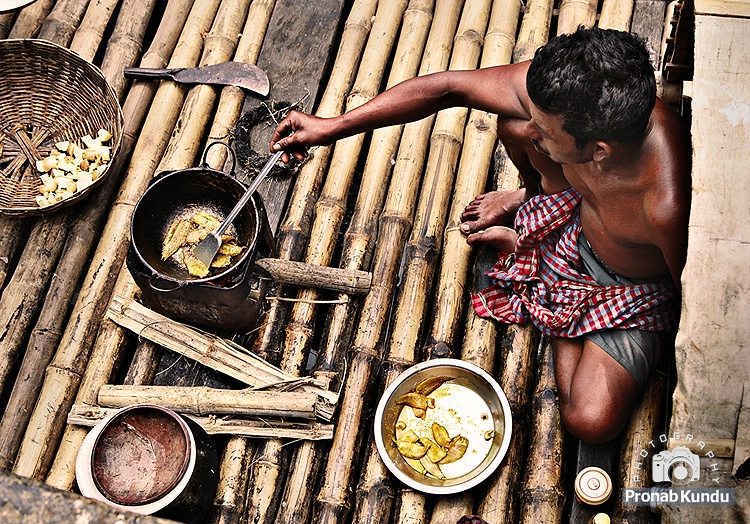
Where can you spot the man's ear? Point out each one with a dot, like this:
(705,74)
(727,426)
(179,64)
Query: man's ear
(602,151)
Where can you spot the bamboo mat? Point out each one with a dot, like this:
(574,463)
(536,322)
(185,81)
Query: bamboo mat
(386,202)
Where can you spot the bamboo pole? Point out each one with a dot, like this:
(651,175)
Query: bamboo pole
(357,249)
(111,337)
(6,23)
(202,400)
(232,98)
(573,13)
(411,508)
(292,237)
(12,231)
(219,46)
(542,493)
(519,346)
(643,428)
(331,206)
(30,19)
(125,45)
(229,503)
(422,250)
(395,223)
(616,14)
(82,235)
(91,29)
(21,299)
(62,22)
(534,30)
(329,212)
(70,361)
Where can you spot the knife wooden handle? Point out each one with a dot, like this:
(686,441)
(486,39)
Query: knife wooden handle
(145,72)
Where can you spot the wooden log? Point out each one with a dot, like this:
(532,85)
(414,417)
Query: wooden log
(6,23)
(411,508)
(28,501)
(111,337)
(31,18)
(346,280)
(542,493)
(574,13)
(208,349)
(201,400)
(395,223)
(91,29)
(448,510)
(534,31)
(144,363)
(648,22)
(294,232)
(12,231)
(89,416)
(125,45)
(616,14)
(42,436)
(643,427)
(62,22)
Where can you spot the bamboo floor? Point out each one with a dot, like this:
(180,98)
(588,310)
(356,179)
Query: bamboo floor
(386,203)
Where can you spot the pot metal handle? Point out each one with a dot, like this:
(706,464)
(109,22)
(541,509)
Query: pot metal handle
(154,277)
(229,148)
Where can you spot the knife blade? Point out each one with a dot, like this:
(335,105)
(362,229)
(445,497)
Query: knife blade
(239,74)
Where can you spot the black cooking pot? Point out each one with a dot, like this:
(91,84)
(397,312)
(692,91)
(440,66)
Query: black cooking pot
(227,298)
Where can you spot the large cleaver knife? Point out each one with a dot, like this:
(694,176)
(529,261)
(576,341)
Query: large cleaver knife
(240,74)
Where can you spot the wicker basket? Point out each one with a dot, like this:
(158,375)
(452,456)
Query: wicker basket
(47,94)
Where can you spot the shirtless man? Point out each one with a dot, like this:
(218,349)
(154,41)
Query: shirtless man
(605,207)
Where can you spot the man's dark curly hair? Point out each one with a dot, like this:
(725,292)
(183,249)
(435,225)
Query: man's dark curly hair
(600,80)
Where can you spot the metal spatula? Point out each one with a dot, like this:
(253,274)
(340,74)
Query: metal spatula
(207,248)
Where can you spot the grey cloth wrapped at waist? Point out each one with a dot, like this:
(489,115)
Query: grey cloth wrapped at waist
(635,350)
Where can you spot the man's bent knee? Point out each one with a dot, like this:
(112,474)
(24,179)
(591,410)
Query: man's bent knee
(591,426)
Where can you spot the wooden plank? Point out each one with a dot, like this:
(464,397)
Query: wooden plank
(648,22)
(734,8)
(295,55)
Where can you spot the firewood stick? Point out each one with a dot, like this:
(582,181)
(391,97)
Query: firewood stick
(229,503)
(292,237)
(357,251)
(202,400)
(44,430)
(88,416)
(395,223)
(542,493)
(31,18)
(346,280)
(411,508)
(13,232)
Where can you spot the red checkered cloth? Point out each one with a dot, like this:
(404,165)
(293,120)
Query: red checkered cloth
(541,282)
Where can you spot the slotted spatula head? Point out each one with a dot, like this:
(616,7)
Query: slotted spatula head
(206,249)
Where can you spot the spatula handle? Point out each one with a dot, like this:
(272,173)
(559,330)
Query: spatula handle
(249,192)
